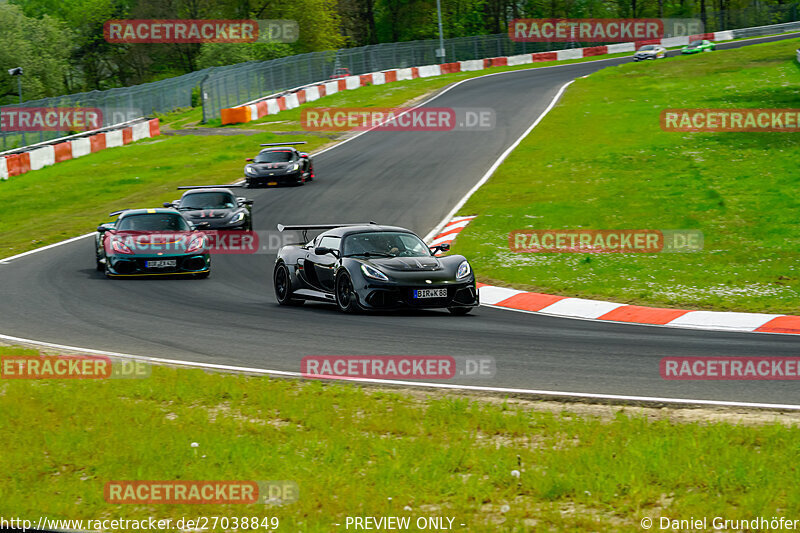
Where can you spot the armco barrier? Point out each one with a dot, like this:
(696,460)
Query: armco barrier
(272,105)
(39,156)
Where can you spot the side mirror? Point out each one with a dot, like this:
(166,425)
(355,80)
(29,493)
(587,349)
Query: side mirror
(247,202)
(321,250)
(304,155)
(250,159)
(202,225)
(168,204)
(102,229)
(444,247)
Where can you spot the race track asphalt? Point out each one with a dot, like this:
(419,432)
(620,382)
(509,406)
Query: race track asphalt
(410,179)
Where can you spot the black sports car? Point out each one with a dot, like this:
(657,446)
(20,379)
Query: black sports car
(368,266)
(151,242)
(281,164)
(217,206)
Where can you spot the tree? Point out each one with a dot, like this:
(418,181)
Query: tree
(40,46)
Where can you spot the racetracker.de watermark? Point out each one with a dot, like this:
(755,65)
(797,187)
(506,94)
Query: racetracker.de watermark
(201,492)
(397,119)
(731,120)
(397,367)
(621,241)
(730,368)
(50,118)
(213,241)
(200,31)
(600,30)
(71,367)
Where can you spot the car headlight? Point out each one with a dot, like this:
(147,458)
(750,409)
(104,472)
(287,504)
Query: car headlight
(372,272)
(120,247)
(238,217)
(249,169)
(464,270)
(197,243)
(293,167)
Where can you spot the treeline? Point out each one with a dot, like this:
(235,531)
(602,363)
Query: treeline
(61,47)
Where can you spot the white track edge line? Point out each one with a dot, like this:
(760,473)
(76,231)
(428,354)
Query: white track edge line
(445,386)
(41,249)
(438,228)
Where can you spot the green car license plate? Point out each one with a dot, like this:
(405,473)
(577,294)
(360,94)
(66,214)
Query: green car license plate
(161,263)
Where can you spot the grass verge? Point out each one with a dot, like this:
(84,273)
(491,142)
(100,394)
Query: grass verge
(371,452)
(600,160)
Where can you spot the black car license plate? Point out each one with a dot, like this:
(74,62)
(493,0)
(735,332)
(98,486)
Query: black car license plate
(430,293)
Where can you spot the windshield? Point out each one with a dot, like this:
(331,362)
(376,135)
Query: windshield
(695,43)
(385,243)
(208,200)
(153,222)
(274,156)
(646,48)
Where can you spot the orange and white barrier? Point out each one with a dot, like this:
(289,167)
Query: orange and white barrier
(271,106)
(43,156)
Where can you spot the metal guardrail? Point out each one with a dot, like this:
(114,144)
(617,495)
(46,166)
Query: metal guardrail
(232,85)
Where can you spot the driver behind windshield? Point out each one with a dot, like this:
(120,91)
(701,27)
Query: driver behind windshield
(208,200)
(385,243)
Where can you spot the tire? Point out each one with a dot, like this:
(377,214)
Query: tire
(281,283)
(100,267)
(459,311)
(345,296)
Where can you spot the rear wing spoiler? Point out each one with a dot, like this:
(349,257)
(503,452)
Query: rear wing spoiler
(285,144)
(208,186)
(311,227)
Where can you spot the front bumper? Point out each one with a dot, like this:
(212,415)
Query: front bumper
(288,178)
(127,266)
(387,296)
(219,225)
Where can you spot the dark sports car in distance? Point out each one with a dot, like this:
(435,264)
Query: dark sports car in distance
(280,164)
(217,206)
(152,242)
(368,266)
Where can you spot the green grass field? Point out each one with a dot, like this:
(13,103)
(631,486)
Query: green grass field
(600,160)
(370,452)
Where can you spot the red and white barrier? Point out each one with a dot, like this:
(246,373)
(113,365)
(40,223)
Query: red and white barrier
(564,306)
(248,112)
(40,157)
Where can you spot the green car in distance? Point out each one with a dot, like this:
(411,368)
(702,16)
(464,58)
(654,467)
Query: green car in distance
(695,47)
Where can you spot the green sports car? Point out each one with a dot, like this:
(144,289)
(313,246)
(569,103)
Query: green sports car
(152,242)
(695,47)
